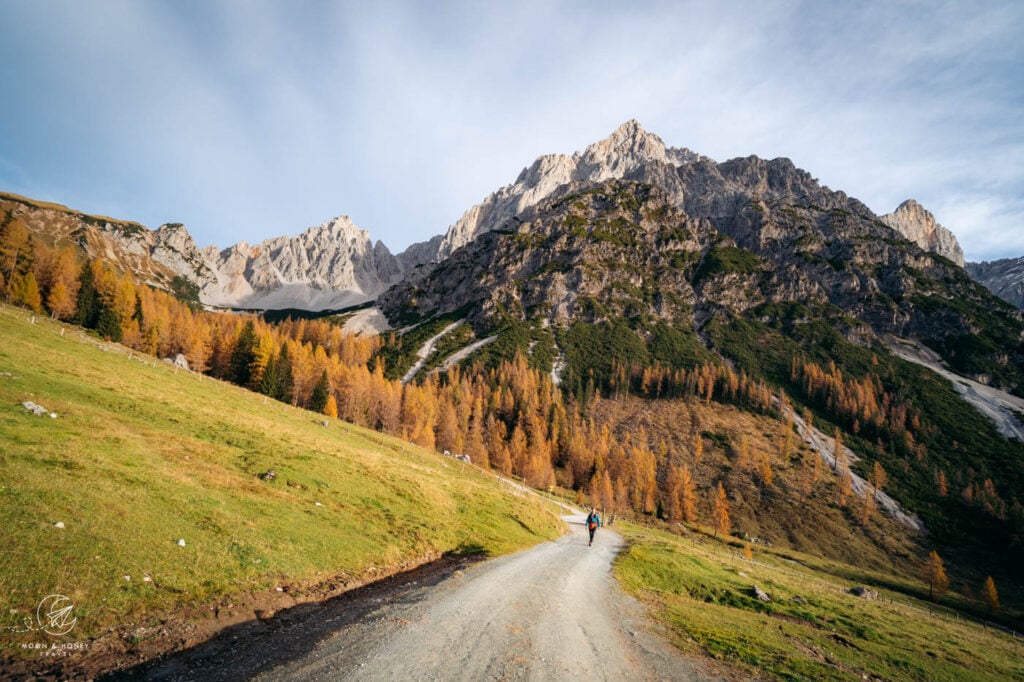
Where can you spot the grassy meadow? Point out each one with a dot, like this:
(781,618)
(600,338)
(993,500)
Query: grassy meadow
(813,629)
(141,456)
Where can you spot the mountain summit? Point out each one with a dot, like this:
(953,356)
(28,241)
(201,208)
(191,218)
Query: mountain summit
(917,224)
(627,152)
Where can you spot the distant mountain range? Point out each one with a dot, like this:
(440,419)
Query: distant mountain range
(336,264)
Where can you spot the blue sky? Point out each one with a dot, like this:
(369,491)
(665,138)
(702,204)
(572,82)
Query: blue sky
(250,119)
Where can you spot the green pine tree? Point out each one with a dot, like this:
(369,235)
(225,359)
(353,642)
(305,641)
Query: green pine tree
(322,391)
(109,324)
(243,354)
(88,306)
(285,390)
(268,383)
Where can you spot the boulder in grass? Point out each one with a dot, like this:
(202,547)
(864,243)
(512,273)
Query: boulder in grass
(864,592)
(37,410)
(760,594)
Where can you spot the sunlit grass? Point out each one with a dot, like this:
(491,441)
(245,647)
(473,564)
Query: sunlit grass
(813,628)
(141,456)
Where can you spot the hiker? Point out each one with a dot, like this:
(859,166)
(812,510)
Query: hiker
(593,521)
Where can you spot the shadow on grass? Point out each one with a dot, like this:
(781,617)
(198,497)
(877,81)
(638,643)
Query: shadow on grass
(247,649)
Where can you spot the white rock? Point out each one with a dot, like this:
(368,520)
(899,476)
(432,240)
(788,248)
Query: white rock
(147,579)
(331,265)
(181,542)
(59,524)
(127,577)
(35,409)
(917,224)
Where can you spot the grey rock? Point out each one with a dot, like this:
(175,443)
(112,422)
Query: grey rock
(760,594)
(37,410)
(864,592)
(1004,278)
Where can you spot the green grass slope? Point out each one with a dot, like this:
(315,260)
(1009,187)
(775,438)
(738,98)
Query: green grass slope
(814,628)
(141,455)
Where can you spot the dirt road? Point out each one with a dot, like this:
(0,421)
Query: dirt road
(553,612)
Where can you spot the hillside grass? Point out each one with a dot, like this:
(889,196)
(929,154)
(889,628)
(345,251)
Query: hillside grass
(141,455)
(701,590)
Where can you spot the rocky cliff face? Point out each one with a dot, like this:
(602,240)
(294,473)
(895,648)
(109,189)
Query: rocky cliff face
(331,265)
(751,232)
(917,224)
(1004,278)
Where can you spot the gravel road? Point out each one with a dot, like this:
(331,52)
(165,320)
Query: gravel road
(553,612)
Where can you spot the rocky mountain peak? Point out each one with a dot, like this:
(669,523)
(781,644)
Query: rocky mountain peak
(630,152)
(340,227)
(628,146)
(917,224)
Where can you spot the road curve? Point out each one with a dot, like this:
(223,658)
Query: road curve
(552,612)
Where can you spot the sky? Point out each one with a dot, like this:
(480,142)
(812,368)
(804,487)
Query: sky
(249,119)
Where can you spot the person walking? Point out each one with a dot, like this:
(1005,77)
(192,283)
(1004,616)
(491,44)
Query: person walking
(593,522)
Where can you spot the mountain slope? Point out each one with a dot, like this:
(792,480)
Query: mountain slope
(332,265)
(1004,278)
(754,233)
(632,287)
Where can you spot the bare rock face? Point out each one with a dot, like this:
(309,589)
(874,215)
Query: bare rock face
(1004,278)
(174,247)
(627,153)
(917,224)
(331,265)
